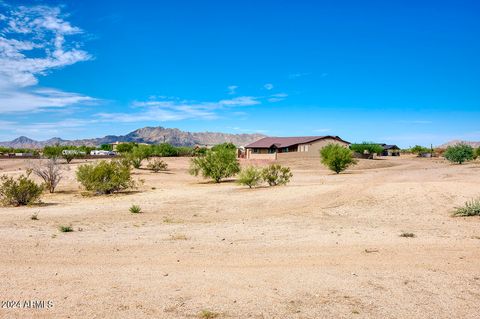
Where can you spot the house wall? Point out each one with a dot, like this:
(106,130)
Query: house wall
(311,149)
(262,155)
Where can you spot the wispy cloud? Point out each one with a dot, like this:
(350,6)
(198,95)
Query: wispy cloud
(268,86)
(232,89)
(277,97)
(174,109)
(32,43)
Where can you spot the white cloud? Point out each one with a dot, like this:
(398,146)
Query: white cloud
(232,89)
(268,86)
(277,97)
(175,109)
(33,42)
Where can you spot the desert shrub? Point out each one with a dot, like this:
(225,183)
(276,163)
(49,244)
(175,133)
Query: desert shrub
(477,153)
(52,151)
(471,208)
(157,165)
(65,229)
(418,149)
(199,151)
(226,145)
(19,191)
(106,147)
(367,148)
(459,153)
(276,174)
(137,155)
(125,147)
(184,151)
(50,171)
(336,157)
(250,176)
(407,235)
(135,209)
(105,177)
(217,165)
(164,150)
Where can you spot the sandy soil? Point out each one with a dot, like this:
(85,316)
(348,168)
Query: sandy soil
(325,246)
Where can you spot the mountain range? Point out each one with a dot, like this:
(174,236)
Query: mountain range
(150,135)
(454,142)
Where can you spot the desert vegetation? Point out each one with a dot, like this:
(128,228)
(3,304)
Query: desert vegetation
(19,191)
(105,177)
(50,171)
(217,164)
(337,158)
(157,165)
(367,148)
(471,208)
(459,153)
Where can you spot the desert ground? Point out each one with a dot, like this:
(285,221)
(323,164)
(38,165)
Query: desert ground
(324,246)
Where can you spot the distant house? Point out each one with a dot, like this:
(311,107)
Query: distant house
(390,150)
(102,153)
(290,147)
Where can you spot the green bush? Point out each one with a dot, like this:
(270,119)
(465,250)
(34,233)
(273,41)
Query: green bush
(337,158)
(227,145)
(156,165)
(137,155)
(164,150)
(477,153)
(459,153)
(105,177)
(367,148)
(418,149)
(19,191)
(135,209)
(471,208)
(216,164)
(65,229)
(250,176)
(276,174)
(125,147)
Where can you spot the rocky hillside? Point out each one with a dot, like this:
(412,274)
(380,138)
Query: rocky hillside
(151,135)
(454,142)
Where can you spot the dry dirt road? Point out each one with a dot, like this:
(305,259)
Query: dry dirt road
(325,246)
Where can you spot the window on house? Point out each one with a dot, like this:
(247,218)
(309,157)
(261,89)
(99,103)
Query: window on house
(285,149)
(255,150)
(271,151)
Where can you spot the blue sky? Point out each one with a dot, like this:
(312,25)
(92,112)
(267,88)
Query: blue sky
(403,72)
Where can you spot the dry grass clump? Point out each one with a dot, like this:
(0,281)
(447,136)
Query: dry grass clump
(207,314)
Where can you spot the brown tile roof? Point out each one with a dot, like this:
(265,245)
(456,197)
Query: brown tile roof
(278,142)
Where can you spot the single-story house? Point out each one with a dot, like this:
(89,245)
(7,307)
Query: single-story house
(290,147)
(102,153)
(390,150)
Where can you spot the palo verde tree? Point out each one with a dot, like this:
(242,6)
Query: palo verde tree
(336,157)
(216,164)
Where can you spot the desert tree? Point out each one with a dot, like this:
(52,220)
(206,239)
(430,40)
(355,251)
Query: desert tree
(50,171)
(459,153)
(216,164)
(336,157)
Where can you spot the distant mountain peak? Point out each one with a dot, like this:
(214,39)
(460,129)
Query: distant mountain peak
(148,134)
